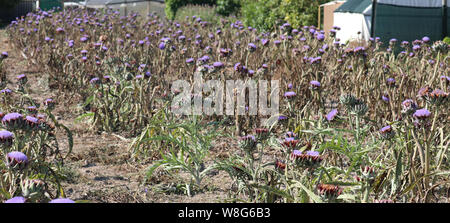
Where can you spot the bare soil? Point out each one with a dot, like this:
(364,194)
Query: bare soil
(100,168)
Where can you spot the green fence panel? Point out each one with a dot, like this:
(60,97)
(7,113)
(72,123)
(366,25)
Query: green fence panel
(50,4)
(408,23)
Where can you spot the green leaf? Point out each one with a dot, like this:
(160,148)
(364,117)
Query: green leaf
(83,116)
(311,194)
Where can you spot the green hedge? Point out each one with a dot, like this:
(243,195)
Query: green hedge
(260,14)
(228,7)
(8,3)
(173,5)
(267,14)
(447,40)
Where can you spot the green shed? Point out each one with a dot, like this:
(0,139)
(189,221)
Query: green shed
(50,4)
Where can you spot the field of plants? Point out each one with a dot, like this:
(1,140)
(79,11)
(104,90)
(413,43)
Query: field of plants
(87,98)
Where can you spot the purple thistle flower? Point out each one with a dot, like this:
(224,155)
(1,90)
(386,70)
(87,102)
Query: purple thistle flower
(385,98)
(320,37)
(238,67)
(218,64)
(264,42)
(162,46)
(62,200)
(387,132)
(331,115)
(426,39)
(16,200)
(4,55)
(251,47)
(315,84)
(422,114)
(312,153)
(390,81)
(290,94)
(11,118)
(32,120)
(6,137)
(190,60)
(21,76)
(386,129)
(297,153)
(95,80)
(16,158)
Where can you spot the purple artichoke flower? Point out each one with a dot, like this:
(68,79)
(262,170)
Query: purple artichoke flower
(17,158)
(289,94)
(31,122)
(390,82)
(264,42)
(422,114)
(4,55)
(61,200)
(426,39)
(331,115)
(312,153)
(95,81)
(315,85)
(387,132)
(218,64)
(320,37)
(289,86)
(16,200)
(251,47)
(190,60)
(162,46)
(12,120)
(6,138)
(6,91)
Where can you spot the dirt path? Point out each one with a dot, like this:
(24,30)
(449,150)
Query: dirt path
(99,168)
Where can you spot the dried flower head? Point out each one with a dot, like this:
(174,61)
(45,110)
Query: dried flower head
(329,191)
(408,107)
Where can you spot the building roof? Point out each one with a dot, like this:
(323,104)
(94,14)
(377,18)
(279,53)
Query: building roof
(332,2)
(354,6)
